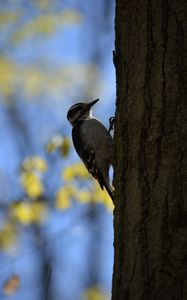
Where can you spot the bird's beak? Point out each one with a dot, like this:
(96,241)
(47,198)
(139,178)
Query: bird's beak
(90,104)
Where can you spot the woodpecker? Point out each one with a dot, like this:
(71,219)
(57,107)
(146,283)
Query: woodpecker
(93,142)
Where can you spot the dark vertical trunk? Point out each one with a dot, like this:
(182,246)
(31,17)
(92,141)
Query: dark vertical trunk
(150,178)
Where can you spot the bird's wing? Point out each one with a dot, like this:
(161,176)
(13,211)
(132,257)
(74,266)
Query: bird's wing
(82,149)
(91,138)
(91,135)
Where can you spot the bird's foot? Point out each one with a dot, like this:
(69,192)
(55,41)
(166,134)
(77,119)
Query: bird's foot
(111,124)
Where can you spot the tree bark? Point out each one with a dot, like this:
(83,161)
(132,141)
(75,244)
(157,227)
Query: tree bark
(150,173)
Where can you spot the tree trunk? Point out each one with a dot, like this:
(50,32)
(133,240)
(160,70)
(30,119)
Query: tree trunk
(150,174)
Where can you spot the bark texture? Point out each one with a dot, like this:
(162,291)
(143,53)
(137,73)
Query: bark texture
(150,176)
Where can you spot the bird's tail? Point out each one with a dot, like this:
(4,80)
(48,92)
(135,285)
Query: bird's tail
(110,191)
(104,183)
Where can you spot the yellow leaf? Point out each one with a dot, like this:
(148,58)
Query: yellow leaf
(50,147)
(68,173)
(81,171)
(32,184)
(70,17)
(7,72)
(46,24)
(54,143)
(40,25)
(8,17)
(11,285)
(22,212)
(62,202)
(101,196)
(94,293)
(28,213)
(39,164)
(34,163)
(40,211)
(63,197)
(7,236)
(65,147)
(77,170)
(84,196)
(33,81)
(43,4)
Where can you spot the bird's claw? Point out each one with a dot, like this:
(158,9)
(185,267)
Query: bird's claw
(111,124)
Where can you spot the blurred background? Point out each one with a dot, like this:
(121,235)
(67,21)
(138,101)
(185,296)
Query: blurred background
(56,236)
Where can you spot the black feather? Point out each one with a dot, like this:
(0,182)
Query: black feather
(87,154)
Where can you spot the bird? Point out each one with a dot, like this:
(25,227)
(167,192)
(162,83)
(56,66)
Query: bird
(92,142)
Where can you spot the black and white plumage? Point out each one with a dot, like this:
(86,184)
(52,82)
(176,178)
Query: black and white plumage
(92,142)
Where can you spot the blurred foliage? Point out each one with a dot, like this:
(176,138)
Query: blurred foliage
(29,212)
(11,285)
(7,18)
(45,24)
(7,235)
(7,70)
(34,163)
(74,174)
(33,209)
(31,171)
(94,293)
(32,184)
(34,81)
(42,4)
(64,196)
(59,142)
(75,171)
(90,193)
(29,75)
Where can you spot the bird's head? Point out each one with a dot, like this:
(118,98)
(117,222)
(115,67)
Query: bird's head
(80,111)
